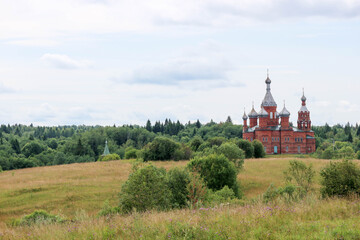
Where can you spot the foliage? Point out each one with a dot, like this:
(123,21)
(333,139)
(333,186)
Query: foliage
(340,179)
(300,174)
(39,217)
(233,153)
(216,170)
(259,151)
(160,149)
(131,153)
(177,180)
(109,157)
(108,210)
(196,189)
(145,189)
(246,146)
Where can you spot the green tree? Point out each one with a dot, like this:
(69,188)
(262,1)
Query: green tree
(145,189)
(15,145)
(196,142)
(340,179)
(177,181)
(246,146)
(32,148)
(148,126)
(233,153)
(216,170)
(161,148)
(300,174)
(259,151)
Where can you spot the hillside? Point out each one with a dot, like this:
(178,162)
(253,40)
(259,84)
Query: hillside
(69,189)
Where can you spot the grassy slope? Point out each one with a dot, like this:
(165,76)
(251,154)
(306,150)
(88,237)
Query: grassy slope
(66,189)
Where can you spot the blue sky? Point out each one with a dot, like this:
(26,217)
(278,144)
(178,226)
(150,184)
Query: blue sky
(122,62)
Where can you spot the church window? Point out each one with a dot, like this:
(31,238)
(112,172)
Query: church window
(299,149)
(287,148)
(271,115)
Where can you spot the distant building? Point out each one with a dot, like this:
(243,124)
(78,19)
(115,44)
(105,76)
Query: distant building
(273,128)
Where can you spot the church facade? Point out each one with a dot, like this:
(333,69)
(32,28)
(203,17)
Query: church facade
(273,129)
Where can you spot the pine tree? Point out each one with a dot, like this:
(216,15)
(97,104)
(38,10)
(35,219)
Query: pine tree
(358,131)
(198,124)
(148,125)
(228,120)
(350,138)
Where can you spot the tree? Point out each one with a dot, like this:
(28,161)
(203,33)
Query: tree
(233,153)
(350,138)
(259,151)
(79,150)
(228,120)
(145,189)
(196,142)
(216,170)
(300,174)
(340,179)
(358,131)
(177,181)
(148,125)
(246,146)
(160,149)
(32,148)
(198,124)
(15,145)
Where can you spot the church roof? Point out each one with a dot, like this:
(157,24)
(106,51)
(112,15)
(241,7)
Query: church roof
(268,99)
(303,109)
(245,117)
(263,112)
(284,112)
(253,113)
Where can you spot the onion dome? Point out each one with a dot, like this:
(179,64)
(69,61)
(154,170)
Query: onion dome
(284,112)
(245,117)
(303,98)
(253,113)
(268,99)
(303,104)
(263,112)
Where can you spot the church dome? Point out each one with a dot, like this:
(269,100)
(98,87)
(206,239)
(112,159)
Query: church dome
(245,117)
(263,112)
(253,113)
(284,112)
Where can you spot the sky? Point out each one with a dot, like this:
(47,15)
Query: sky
(105,62)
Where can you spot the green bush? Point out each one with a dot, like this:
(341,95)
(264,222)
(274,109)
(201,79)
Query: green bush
(39,217)
(130,153)
(233,153)
(358,155)
(246,146)
(109,157)
(108,210)
(300,174)
(32,148)
(196,142)
(328,153)
(160,149)
(271,194)
(259,151)
(145,189)
(196,189)
(346,152)
(217,171)
(340,179)
(177,181)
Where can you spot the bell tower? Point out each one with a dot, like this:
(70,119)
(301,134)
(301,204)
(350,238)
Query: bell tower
(304,122)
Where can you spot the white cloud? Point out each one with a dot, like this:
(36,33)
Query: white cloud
(64,61)
(33,42)
(47,19)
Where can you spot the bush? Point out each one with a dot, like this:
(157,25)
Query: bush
(246,146)
(109,157)
(107,210)
(328,153)
(32,148)
(39,217)
(130,153)
(225,193)
(217,171)
(160,149)
(259,151)
(340,179)
(145,189)
(177,181)
(196,189)
(358,155)
(346,153)
(233,153)
(195,143)
(271,194)
(300,174)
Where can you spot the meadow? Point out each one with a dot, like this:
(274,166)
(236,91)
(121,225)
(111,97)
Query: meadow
(78,191)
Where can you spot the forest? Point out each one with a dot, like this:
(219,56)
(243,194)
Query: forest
(24,146)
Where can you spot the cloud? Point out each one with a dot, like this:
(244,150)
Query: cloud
(5,89)
(42,113)
(44,19)
(64,61)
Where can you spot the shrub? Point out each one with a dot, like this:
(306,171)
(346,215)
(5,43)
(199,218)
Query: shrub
(346,153)
(160,149)
(225,193)
(328,153)
(340,179)
(246,146)
(107,210)
(216,141)
(109,157)
(259,151)
(358,155)
(271,194)
(32,148)
(196,142)
(196,189)
(233,153)
(130,153)
(216,170)
(39,217)
(145,189)
(300,174)
(177,181)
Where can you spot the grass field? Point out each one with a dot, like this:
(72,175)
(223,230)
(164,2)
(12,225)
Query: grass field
(78,191)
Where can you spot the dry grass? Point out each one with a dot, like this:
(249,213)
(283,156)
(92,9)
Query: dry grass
(67,189)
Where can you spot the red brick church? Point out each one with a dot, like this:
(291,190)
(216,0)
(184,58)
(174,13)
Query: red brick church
(273,129)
